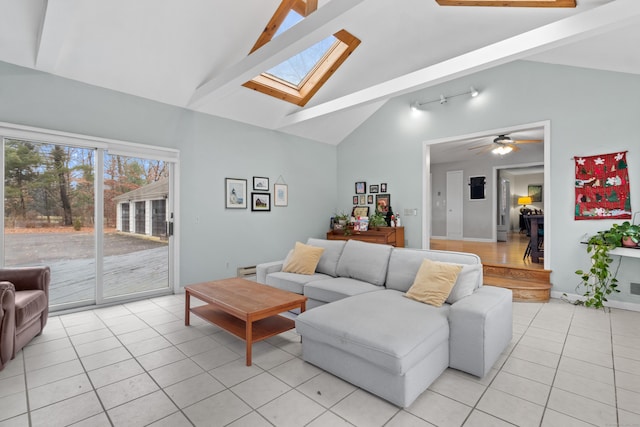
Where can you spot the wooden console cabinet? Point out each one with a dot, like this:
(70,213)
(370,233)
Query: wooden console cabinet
(387,235)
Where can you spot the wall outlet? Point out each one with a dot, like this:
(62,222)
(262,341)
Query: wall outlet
(411,212)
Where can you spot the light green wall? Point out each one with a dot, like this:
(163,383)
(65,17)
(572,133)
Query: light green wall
(210,150)
(591,112)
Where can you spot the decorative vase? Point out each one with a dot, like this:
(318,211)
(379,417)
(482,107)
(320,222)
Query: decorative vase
(627,242)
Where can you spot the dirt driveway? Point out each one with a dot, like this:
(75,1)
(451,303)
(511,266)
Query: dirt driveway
(34,248)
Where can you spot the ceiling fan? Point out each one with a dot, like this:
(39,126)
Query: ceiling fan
(504,144)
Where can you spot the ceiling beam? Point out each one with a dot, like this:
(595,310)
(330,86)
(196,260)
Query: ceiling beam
(56,21)
(595,21)
(509,3)
(325,21)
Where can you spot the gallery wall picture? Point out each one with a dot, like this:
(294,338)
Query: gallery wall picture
(235,193)
(280,195)
(361,187)
(260,202)
(260,183)
(383,201)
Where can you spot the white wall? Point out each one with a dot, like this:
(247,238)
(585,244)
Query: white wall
(210,150)
(583,122)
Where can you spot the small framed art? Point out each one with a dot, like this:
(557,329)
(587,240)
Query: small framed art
(360,211)
(383,187)
(361,187)
(370,199)
(235,193)
(535,192)
(260,183)
(280,195)
(383,201)
(260,202)
(373,189)
(355,200)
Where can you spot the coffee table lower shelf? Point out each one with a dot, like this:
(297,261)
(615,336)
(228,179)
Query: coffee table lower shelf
(261,329)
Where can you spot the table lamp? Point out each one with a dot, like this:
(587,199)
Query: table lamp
(524,201)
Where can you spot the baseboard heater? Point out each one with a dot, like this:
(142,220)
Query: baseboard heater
(247,271)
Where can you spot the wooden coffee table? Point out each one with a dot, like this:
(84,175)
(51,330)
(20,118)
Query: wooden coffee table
(248,310)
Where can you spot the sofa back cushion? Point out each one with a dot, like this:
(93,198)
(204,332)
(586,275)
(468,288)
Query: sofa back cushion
(328,263)
(365,261)
(404,265)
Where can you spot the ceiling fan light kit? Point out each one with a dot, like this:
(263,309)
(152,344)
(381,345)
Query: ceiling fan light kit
(502,150)
(417,105)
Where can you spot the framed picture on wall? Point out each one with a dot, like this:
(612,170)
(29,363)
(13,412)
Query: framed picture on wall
(235,193)
(535,192)
(260,202)
(355,200)
(280,195)
(363,199)
(383,201)
(383,187)
(361,187)
(373,189)
(260,183)
(370,199)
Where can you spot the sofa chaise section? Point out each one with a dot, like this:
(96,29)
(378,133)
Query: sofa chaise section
(380,341)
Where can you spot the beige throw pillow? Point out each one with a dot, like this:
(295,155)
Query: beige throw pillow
(434,282)
(303,260)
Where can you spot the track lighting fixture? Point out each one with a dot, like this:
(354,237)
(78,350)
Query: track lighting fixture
(443,99)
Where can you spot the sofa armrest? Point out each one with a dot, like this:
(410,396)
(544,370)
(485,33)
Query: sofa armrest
(262,270)
(480,329)
(7,322)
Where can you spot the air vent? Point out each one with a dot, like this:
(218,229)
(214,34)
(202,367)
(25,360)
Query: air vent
(247,272)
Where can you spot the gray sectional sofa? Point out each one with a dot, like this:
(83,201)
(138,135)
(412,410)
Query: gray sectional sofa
(360,326)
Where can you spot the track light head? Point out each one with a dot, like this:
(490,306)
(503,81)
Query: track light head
(443,100)
(473,91)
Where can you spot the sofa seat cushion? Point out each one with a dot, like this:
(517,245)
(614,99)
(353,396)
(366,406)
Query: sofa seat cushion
(383,327)
(29,305)
(293,282)
(364,261)
(335,289)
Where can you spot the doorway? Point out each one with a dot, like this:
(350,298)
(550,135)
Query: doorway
(459,153)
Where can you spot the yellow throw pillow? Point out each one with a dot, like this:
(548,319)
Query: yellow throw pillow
(303,260)
(434,282)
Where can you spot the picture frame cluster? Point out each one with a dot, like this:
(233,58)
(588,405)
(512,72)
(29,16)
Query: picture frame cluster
(237,194)
(382,197)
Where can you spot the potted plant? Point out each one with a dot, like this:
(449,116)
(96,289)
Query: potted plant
(340,219)
(600,281)
(377,220)
(630,233)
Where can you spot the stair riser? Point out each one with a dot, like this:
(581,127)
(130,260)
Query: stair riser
(516,273)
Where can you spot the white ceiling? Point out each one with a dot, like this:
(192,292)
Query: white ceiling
(193,54)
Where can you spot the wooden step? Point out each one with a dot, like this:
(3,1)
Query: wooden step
(526,284)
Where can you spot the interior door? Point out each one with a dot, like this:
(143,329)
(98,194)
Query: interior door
(504,220)
(454,205)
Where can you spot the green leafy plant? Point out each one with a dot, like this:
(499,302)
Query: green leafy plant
(377,220)
(600,281)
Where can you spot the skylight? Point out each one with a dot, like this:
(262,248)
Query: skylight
(298,78)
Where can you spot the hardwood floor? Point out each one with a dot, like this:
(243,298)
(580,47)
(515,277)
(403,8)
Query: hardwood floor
(502,253)
(504,267)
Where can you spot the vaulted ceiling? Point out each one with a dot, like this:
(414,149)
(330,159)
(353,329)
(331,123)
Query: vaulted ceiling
(194,54)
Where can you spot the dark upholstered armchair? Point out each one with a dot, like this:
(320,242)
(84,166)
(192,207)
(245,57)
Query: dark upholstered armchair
(24,307)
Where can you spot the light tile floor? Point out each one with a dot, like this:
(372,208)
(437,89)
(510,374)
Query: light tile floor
(137,364)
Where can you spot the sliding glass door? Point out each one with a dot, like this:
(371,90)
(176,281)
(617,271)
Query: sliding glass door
(100,219)
(136,225)
(49,215)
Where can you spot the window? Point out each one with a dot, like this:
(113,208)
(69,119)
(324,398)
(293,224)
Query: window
(298,78)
